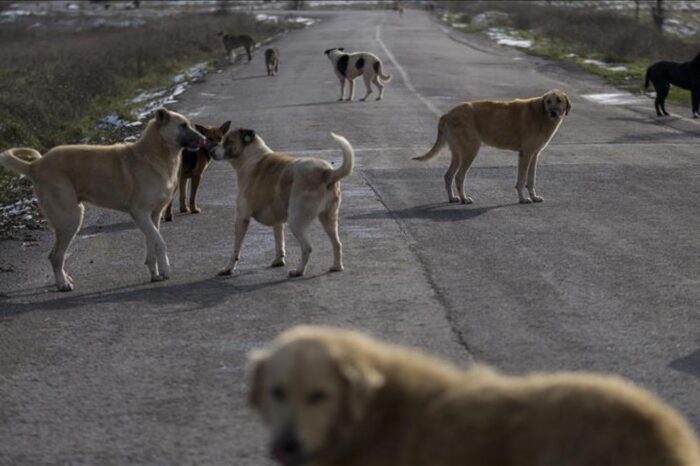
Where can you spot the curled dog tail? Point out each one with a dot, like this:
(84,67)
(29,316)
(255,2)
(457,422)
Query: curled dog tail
(20,160)
(439,142)
(348,160)
(378,69)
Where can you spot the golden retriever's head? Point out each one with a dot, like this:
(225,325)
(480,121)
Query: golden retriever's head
(556,104)
(234,143)
(177,130)
(311,392)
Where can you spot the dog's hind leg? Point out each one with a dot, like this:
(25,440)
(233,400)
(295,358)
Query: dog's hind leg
(367,80)
(379,85)
(450,178)
(329,220)
(65,215)
(660,102)
(194,188)
(302,211)
(279,245)
(156,251)
(695,99)
(531,172)
(466,157)
(241,228)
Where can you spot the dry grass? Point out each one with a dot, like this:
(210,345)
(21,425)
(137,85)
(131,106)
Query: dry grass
(53,83)
(613,36)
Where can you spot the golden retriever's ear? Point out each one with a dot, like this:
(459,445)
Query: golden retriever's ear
(363,382)
(568,105)
(162,115)
(256,366)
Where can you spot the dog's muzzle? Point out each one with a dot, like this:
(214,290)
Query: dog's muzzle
(286,448)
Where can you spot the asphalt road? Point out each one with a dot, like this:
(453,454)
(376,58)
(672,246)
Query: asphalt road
(604,275)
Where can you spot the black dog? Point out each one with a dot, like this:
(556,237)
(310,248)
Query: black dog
(684,75)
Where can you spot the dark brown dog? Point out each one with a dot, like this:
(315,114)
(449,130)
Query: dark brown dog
(194,164)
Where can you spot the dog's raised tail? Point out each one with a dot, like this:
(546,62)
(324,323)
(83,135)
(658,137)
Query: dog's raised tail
(19,160)
(378,68)
(348,160)
(439,142)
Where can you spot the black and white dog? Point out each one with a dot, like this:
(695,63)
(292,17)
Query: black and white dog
(684,75)
(348,66)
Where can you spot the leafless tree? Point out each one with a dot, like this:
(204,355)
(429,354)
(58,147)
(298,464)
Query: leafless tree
(658,14)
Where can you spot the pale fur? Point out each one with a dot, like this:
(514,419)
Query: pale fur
(368,73)
(275,189)
(137,178)
(388,405)
(522,125)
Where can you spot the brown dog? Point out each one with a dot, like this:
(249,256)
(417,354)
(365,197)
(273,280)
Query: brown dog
(194,164)
(137,178)
(232,42)
(333,397)
(275,189)
(525,126)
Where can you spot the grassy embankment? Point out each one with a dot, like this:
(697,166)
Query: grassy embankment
(576,34)
(55,84)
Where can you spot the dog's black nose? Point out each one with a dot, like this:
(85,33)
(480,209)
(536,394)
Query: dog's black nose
(286,448)
(553,114)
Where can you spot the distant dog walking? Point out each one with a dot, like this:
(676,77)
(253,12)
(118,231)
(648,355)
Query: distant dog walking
(348,66)
(684,75)
(272,61)
(231,43)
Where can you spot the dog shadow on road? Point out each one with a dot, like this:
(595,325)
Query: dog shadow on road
(689,364)
(436,212)
(197,295)
(243,78)
(309,104)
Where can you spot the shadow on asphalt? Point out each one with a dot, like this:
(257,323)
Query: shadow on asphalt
(436,212)
(202,294)
(250,77)
(689,364)
(309,104)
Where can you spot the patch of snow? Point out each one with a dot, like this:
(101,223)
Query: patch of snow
(302,20)
(459,25)
(489,17)
(673,26)
(618,98)
(503,37)
(112,121)
(264,18)
(607,66)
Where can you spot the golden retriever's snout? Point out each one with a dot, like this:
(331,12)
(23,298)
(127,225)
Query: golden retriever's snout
(286,448)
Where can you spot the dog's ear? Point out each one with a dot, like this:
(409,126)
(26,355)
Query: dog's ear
(162,116)
(362,382)
(224,128)
(255,370)
(568,105)
(247,136)
(328,51)
(342,49)
(200,128)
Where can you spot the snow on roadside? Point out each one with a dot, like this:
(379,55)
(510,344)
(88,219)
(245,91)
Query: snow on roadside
(607,66)
(505,37)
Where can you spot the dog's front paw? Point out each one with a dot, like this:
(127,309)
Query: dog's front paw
(453,200)
(467,200)
(336,268)
(279,262)
(525,200)
(158,278)
(295,273)
(695,115)
(378,98)
(65,287)
(225,272)
(536,198)
(195,210)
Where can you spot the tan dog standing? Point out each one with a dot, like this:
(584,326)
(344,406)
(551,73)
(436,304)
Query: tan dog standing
(137,178)
(525,126)
(275,189)
(338,398)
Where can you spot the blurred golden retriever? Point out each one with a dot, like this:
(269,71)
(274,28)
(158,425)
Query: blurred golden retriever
(522,125)
(336,397)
